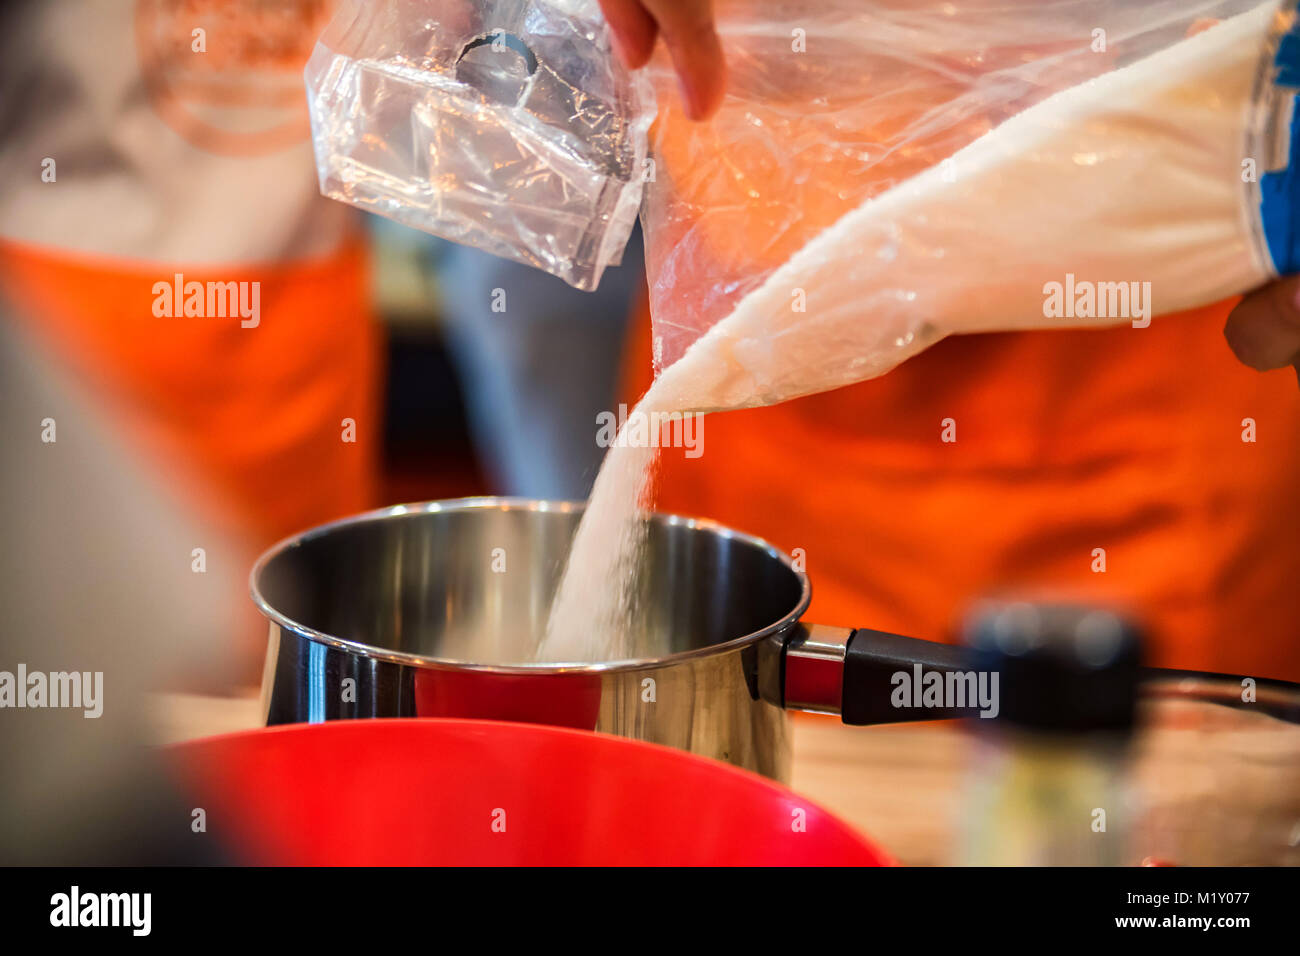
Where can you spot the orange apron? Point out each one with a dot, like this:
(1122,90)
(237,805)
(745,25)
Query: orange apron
(259,413)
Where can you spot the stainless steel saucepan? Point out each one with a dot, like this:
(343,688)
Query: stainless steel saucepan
(436,609)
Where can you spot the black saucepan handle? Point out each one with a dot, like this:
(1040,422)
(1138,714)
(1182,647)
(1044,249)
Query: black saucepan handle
(886,676)
(874,677)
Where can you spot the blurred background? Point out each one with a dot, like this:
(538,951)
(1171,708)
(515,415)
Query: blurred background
(484,402)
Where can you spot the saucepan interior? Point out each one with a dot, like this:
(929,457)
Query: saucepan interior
(469,583)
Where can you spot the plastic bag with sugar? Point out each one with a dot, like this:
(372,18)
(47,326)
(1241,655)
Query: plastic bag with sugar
(887,172)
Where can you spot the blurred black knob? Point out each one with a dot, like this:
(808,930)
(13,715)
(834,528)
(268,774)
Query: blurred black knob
(1061,668)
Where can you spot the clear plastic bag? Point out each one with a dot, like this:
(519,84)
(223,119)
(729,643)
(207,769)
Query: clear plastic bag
(508,125)
(887,172)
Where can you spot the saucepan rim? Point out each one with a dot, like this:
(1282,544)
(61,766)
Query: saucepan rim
(487,502)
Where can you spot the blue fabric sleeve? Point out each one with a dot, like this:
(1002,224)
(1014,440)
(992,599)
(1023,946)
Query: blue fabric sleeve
(1280,189)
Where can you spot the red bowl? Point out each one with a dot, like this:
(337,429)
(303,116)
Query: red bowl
(476,792)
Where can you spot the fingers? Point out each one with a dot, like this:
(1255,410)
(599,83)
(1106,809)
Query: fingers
(688,31)
(634,30)
(692,40)
(1264,329)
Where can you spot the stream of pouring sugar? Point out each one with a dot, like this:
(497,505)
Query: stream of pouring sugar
(594,615)
(592,618)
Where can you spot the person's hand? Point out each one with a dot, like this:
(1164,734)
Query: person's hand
(692,40)
(1264,329)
